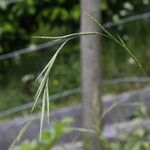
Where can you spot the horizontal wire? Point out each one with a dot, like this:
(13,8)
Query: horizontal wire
(55,42)
(8,2)
(30,104)
(75,91)
(30,49)
(127,20)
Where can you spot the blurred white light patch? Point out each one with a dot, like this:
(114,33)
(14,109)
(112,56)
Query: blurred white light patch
(125,37)
(116,18)
(128,6)
(32,46)
(131,61)
(120,27)
(17,60)
(146,2)
(28,77)
(123,12)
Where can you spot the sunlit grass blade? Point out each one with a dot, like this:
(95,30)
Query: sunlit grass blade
(51,62)
(97,22)
(44,88)
(73,35)
(46,70)
(82,130)
(18,137)
(40,87)
(42,114)
(132,55)
(109,109)
(47,100)
(119,103)
(38,93)
(120,41)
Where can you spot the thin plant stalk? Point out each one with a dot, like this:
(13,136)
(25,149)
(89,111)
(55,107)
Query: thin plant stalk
(118,41)
(43,88)
(42,114)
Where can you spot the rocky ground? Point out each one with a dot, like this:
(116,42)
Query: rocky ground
(122,110)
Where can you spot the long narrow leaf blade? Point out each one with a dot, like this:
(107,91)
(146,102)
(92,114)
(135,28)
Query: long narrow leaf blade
(120,41)
(38,93)
(18,137)
(132,56)
(47,100)
(73,35)
(42,115)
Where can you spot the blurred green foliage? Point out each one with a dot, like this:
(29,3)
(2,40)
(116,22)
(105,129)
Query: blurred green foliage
(49,137)
(137,140)
(20,20)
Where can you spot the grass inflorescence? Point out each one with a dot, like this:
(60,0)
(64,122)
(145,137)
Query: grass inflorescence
(43,87)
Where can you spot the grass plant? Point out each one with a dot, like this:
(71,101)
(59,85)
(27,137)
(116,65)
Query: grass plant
(43,87)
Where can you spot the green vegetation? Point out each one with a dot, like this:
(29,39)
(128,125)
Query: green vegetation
(61,17)
(66,75)
(136,140)
(49,137)
(18,82)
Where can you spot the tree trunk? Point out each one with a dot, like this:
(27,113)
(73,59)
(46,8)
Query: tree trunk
(91,76)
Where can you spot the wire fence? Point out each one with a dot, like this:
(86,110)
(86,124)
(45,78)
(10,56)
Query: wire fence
(30,49)
(8,2)
(70,92)
(55,42)
(30,104)
(127,20)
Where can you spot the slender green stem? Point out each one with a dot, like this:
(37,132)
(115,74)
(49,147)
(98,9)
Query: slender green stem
(120,42)
(73,35)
